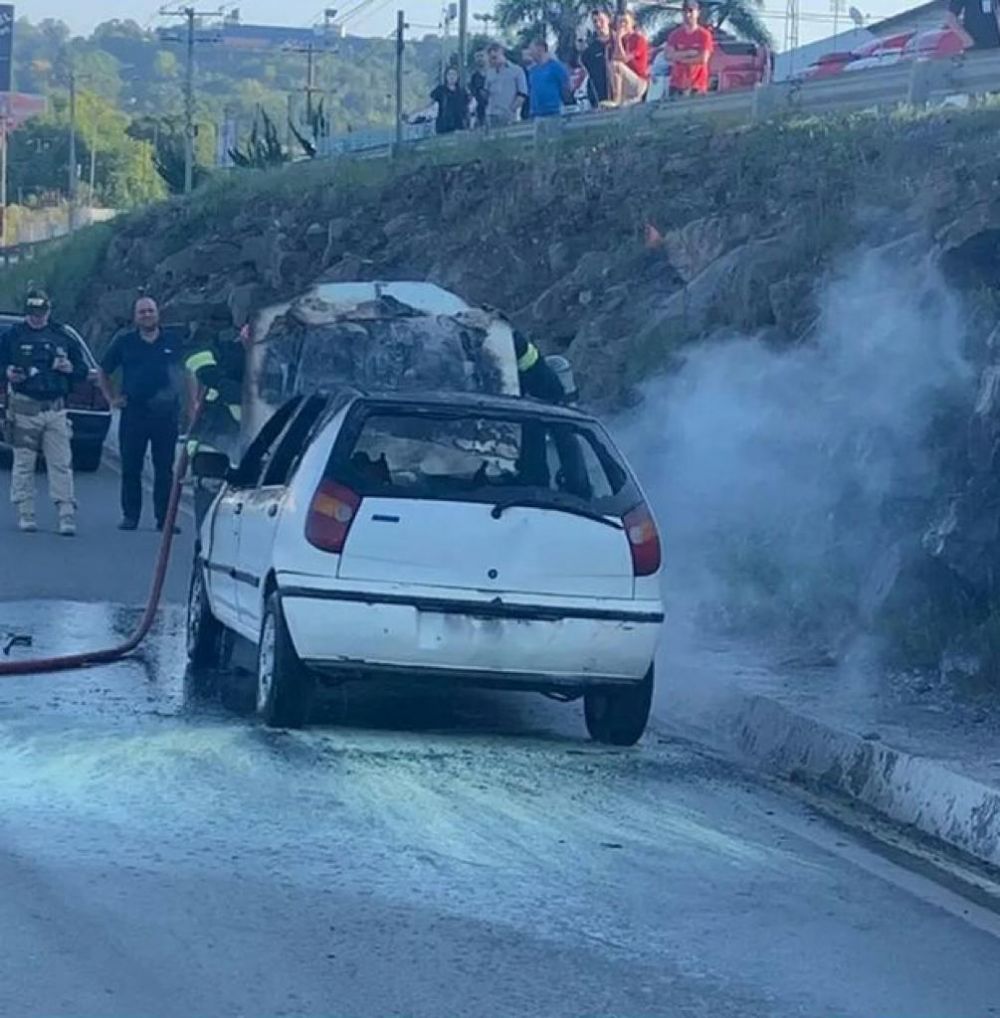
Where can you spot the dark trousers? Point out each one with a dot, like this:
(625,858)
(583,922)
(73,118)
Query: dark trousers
(138,429)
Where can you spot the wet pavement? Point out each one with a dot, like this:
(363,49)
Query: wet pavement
(415,854)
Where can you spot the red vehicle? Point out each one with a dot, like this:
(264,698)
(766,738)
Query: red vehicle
(929,44)
(738,64)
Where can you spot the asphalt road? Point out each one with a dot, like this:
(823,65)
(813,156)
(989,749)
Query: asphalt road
(426,856)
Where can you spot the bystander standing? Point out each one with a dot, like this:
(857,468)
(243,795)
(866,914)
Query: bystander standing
(595,57)
(689,49)
(548,82)
(507,89)
(478,88)
(452,104)
(150,359)
(980,24)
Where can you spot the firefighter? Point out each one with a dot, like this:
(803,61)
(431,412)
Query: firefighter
(537,377)
(40,363)
(216,365)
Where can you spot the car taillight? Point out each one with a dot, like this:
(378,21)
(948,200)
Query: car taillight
(643,540)
(331,514)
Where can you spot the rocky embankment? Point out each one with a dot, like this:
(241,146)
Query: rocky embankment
(622,252)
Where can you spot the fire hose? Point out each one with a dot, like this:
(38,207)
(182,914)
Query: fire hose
(87,659)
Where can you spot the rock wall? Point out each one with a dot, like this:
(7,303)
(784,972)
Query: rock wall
(620,252)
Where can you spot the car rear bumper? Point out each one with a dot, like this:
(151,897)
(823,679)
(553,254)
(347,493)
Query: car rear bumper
(489,642)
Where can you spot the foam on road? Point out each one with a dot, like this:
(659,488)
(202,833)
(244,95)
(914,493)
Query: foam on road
(172,858)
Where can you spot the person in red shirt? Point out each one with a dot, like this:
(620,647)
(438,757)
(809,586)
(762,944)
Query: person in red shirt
(628,58)
(689,49)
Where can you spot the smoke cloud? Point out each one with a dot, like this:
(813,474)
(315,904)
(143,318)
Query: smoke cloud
(785,479)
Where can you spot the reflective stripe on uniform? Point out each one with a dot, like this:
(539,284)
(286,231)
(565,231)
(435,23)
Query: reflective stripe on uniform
(211,395)
(236,411)
(199,360)
(528,359)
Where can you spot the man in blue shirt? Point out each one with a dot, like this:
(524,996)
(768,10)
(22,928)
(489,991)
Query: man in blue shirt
(548,82)
(149,357)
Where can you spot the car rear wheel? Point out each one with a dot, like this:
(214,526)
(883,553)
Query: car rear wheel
(87,458)
(618,715)
(205,634)
(285,687)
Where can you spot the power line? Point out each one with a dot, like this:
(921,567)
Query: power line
(190,14)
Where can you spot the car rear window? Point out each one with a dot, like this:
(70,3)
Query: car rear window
(482,458)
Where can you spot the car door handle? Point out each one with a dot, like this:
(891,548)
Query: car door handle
(272,509)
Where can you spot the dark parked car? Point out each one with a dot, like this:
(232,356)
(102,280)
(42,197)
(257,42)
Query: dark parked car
(88,409)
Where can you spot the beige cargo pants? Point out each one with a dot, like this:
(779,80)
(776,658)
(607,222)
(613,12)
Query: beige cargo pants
(35,427)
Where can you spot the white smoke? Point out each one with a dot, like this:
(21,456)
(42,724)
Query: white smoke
(780,477)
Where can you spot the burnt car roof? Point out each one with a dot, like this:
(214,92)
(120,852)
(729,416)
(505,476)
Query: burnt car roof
(471,401)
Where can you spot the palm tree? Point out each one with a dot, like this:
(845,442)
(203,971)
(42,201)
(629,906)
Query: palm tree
(742,17)
(545,18)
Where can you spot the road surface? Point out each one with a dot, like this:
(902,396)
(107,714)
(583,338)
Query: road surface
(428,856)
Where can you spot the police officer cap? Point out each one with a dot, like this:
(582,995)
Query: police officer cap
(37,302)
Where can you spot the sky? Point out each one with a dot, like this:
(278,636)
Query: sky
(378,16)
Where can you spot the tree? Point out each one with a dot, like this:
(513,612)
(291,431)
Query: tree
(541,18)
(124,174)
(263,149)
(742,17)
(318,129)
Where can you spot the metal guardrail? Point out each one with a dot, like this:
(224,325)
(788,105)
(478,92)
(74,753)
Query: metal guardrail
(915,82)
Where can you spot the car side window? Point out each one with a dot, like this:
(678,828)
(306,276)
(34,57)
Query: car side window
(250,466)
(284,455)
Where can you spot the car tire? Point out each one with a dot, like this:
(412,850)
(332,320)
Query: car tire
(285,687)
(618,715)
(205,634)
(87,458)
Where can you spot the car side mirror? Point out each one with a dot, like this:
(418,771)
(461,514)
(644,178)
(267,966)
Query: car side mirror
(211,466)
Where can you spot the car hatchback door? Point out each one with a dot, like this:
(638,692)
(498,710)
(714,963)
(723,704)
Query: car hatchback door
(519,505)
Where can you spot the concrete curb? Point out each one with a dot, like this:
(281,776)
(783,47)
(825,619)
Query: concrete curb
(922,792)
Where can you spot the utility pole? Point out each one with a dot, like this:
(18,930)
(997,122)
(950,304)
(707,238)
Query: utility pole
(93,165)
(463,39)
(400,46)
(311,88)
(190,15)
(3,178)
(72,149)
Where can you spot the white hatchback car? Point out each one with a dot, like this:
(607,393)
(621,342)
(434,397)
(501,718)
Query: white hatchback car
(488,540)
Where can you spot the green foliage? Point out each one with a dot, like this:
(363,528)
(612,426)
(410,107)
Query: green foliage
(534,18)
(318,129)
(65,268)
(263,149)
(124,172)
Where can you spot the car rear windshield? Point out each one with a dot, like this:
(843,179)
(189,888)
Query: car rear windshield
(482,458)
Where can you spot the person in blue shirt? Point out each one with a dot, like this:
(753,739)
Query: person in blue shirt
(548,82)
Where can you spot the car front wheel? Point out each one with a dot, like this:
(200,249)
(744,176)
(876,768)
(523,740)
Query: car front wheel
(205,634)
(285,687)
(618,715)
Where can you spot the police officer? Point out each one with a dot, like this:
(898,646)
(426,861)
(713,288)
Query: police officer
(150,359)
(40,363)
(216,365)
